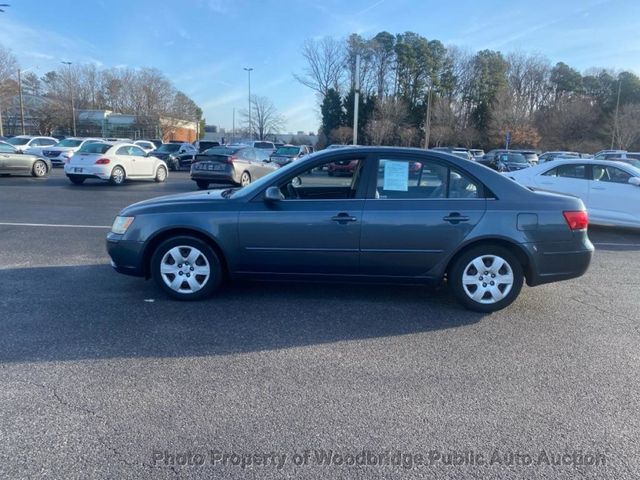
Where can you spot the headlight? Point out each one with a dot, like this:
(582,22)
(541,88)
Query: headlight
(121,225)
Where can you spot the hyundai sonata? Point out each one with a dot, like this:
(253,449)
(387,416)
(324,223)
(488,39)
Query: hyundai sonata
(454,221)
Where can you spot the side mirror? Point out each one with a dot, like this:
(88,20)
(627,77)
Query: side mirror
(273,194)
(635,181)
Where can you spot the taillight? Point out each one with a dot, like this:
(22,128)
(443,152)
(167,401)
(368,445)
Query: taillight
(231,158)
(578,220)
(102,161)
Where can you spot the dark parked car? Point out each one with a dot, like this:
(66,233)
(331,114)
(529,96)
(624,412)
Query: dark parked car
(203,145)
(482,232)
(185,160)
(169,152)
(229,165)
(289,153)
(506,162)
(13,162)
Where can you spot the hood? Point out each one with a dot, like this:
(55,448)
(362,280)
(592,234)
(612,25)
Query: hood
(179,201)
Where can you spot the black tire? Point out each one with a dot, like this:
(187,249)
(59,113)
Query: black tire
(161,175)
(202,185)
(76,180)
(117,176)
(174,166)
(457,270)
(39,169)
(207,287)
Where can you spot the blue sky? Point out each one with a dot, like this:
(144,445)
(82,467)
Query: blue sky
(203,45)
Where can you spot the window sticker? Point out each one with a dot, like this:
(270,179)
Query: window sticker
(396,176)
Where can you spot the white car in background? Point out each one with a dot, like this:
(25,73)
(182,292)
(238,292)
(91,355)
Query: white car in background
(114,162)
(60,153)
(610,190)
(146,145)
(32,143)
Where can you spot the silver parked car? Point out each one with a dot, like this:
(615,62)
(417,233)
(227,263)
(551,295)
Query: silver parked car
(12,162)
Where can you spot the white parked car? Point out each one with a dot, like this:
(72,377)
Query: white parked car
(610,190)
(114,162)
(60,153)
(32,143)
(146,145)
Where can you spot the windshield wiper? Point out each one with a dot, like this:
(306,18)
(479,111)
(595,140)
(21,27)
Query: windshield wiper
(228,192)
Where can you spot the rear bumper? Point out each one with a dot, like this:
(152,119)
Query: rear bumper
(554,262)
(88,171)
(222,177)
(126,256)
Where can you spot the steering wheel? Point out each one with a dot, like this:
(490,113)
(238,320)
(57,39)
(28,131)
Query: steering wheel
(291,191)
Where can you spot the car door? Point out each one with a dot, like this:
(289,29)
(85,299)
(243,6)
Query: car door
(418,211)
(126,160)
(143,164)
(313,230)
(5,153)
(611,197)
(570,178)
(17,163)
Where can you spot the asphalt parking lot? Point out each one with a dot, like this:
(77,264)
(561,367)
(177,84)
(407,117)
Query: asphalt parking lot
(102,376)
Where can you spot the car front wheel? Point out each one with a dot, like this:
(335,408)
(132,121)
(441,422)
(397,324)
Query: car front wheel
(486,278)
(186,268)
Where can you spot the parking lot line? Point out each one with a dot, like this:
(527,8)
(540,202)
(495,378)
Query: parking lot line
(14,224)
(613,244)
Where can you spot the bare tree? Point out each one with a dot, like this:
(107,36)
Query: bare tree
(628,131)
(325,65)
(8,64)
(265,119)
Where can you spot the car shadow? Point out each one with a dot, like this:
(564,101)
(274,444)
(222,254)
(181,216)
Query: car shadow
(614,238)
(90,312)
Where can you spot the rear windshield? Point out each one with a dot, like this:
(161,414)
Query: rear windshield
(67,142)
(205,145)
(18,141)
(221,151)
(95,148)
(169,147)
(263,145)
(288,151)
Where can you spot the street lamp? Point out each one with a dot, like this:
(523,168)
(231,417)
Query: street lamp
(73,110)
(249,70)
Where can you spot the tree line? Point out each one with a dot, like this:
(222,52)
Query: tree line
(144,92)
(414,90)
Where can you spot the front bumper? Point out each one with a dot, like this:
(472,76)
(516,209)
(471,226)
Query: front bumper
(126,255)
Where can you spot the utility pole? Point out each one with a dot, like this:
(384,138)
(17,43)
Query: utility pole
(21,102)
(249,70)
(73,110)
(1,128)
(427,121)
(356,101)
(615,122)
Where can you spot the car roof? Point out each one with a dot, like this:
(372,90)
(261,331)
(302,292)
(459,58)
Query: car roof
(580,161)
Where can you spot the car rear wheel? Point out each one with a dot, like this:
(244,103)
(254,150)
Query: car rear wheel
(245,179)
(117,176)
(76,180)
(39,169)
(161,174)
(202,185)
(186,268)
(486,278)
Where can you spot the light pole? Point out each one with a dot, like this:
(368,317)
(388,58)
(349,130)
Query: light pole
(73,110)
(21,102)
(249,70)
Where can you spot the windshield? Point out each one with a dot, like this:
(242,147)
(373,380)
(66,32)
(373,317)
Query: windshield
(18,141)
(168,148)
(513,158)
(95,148)
(287,151)
(67,142)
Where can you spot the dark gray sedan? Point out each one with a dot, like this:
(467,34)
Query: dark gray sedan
(452,220)
(14,163)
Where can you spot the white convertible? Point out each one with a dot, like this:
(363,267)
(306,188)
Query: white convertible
(609,189)
(114,162)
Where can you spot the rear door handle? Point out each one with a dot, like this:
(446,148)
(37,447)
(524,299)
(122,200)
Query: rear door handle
(343,218)
(455,218)
(598,188)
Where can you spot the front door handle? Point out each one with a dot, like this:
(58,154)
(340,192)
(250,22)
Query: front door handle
(343,218)
(455,218)
(598,188)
